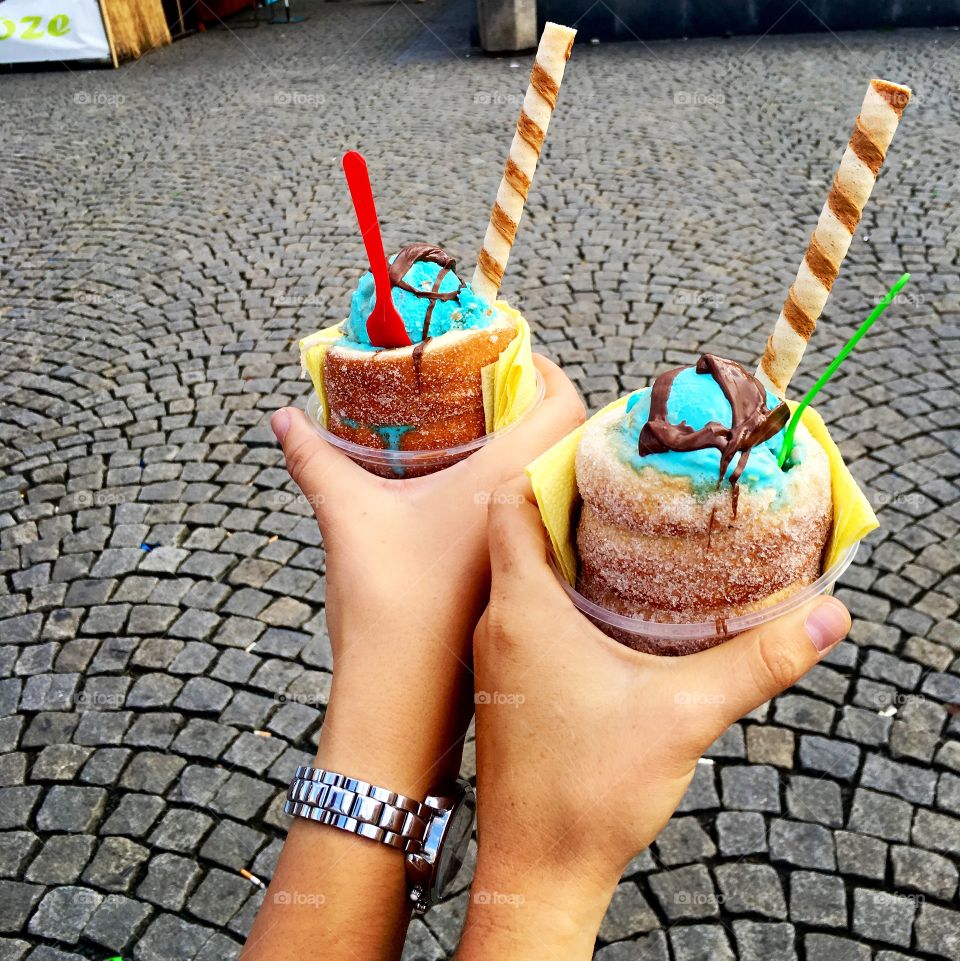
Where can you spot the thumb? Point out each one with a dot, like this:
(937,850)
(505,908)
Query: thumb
(748,670)
(323,474)
(518,541)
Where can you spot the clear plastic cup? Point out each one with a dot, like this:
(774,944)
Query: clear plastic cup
(670,639)
(411,463)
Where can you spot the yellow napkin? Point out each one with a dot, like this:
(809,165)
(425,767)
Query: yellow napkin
(553,478)
(509,384)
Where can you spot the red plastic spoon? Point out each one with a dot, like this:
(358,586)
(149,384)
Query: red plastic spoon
(384,325)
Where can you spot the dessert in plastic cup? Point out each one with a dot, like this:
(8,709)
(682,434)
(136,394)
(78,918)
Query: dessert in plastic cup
(425,398)
(402,464)
(688,526)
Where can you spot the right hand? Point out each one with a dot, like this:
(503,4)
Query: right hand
(585,747)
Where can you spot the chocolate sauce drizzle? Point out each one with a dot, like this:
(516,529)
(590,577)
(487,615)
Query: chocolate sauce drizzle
(428,253)
(752,422)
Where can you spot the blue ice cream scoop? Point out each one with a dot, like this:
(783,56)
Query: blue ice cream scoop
(696,400)
(428,294)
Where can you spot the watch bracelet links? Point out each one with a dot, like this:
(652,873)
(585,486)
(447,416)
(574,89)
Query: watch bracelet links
(358,807)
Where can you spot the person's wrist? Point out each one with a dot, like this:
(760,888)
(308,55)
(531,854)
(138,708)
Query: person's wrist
(528,908)
(391,729)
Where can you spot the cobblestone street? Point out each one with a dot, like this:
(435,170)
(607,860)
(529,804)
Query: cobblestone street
(170,231)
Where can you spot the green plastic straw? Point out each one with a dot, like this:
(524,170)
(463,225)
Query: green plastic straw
(829,372)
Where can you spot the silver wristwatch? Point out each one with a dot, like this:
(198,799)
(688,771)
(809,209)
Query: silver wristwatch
(433,834)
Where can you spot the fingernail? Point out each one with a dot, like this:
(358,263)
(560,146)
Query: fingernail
(827,624)
(280,422)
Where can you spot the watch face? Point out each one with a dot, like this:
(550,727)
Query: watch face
(453,851)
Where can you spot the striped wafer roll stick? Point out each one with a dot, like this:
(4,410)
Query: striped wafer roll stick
(874,129)
(541,97)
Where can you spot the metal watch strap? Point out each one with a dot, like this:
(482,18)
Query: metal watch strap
(358,807)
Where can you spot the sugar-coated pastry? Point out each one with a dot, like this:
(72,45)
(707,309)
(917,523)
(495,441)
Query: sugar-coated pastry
(686,516)
(426,396)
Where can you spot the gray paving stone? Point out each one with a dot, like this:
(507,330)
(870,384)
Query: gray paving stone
(880,815)
(16,850)
(651,947)
(819,900)
(219,896)
(73,809)
(751,889)
(831,947)
(117,922)
(741,833)
(860,855)
(815,799)
(63,858)
(105,765)
(17,900)
(116,864)
(685,892)
(169,880)
(181,830)
(924,871)
(839,759)
(761,940)
(938,832)
(938,931)
(683,841)
(202,695)
(170,938)
(801,844)
(134,815)
(232,844)
(883,916)
(905,780)
(751,788)
(701,942)
(64,912)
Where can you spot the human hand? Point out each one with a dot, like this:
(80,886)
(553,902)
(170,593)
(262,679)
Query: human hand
(585,747)
(407,574)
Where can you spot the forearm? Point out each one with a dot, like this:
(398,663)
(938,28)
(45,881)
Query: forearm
(340,896)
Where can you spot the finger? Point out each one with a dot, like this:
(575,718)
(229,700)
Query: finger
(748,670)
(518,541)
(326,476)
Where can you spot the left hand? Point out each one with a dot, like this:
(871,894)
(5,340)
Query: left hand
(407,579)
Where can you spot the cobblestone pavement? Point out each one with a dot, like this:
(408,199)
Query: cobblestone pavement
(174,227)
